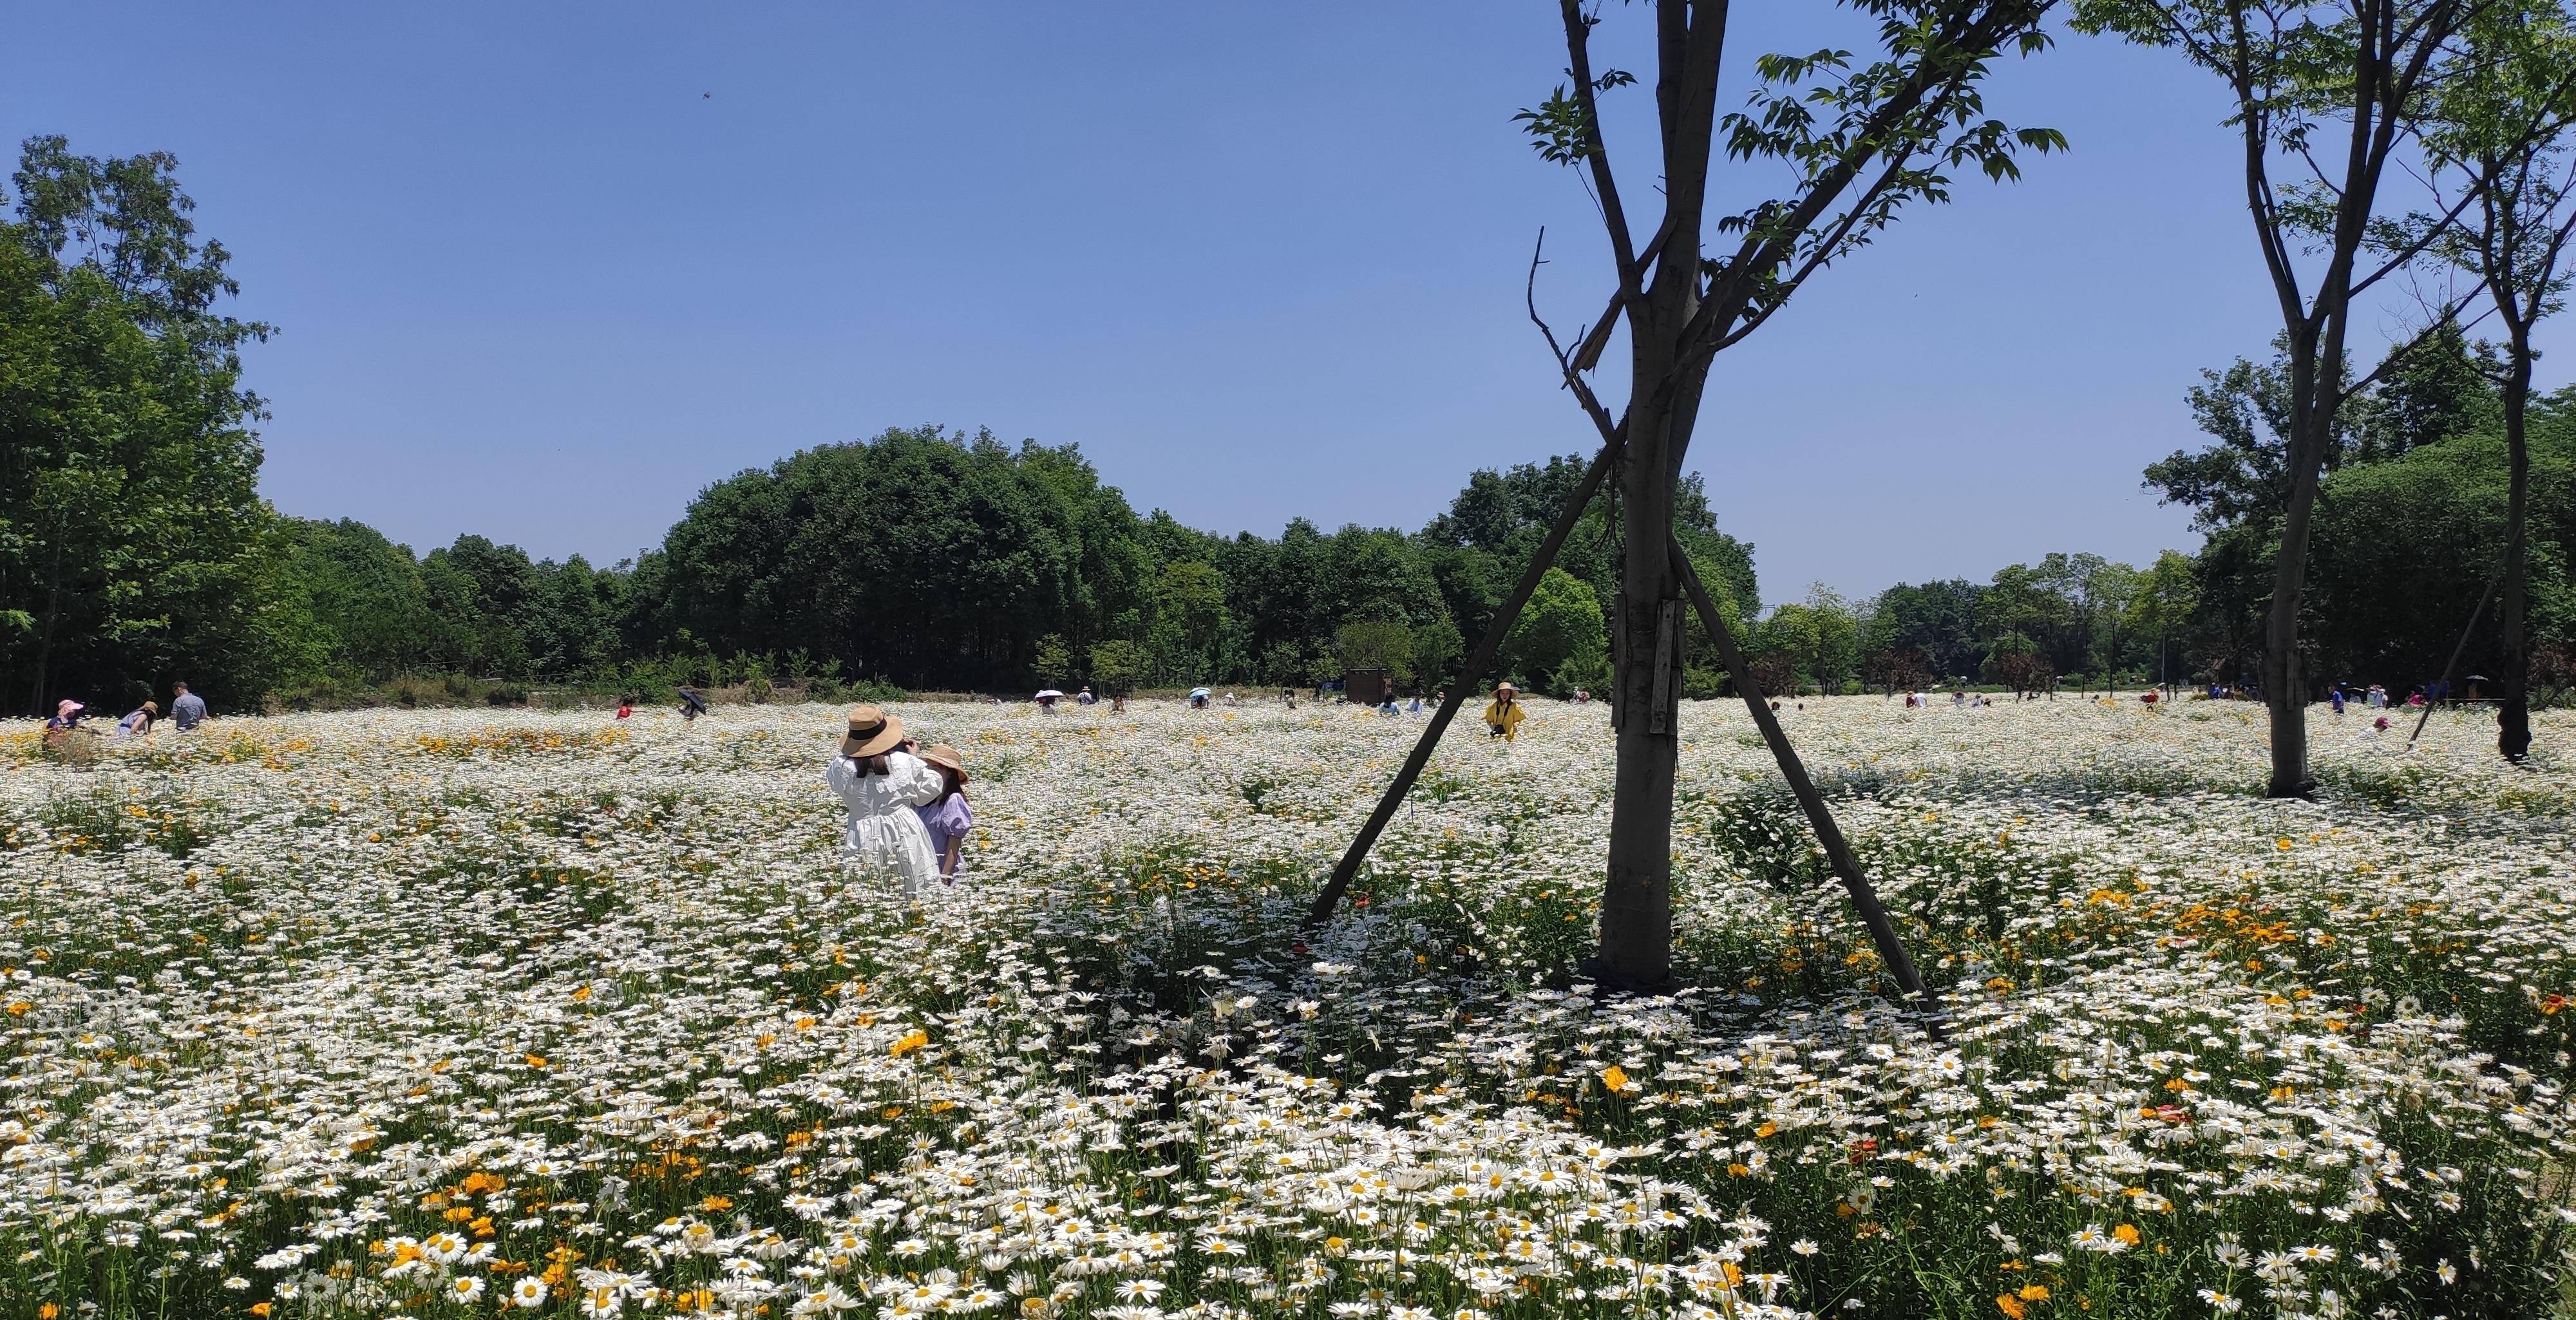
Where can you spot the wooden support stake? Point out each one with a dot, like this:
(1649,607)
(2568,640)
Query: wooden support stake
(1838,853)
(2455,656)
(1479,663)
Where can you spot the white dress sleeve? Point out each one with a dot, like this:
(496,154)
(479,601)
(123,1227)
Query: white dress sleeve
(916,784)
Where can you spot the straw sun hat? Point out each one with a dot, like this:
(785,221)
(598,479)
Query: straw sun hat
(1501,688)
(945,757)
(872,732)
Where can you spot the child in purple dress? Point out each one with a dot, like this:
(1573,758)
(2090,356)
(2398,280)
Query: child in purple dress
(947,818)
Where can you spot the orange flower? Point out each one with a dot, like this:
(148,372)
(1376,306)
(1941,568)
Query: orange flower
(2010,1305)
(912,1041)
(2126,1233)
(1615,1078)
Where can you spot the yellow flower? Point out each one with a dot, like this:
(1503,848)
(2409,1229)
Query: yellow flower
(2010,1305)
(913,1041)
(2126,1233)
(1615,1078)
(2037,1292)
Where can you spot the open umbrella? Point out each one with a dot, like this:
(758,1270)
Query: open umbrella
(1048,694)
(1200,692)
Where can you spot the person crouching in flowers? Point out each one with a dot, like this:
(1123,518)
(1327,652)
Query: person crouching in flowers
(1504,714)
(880,779)
(949,818)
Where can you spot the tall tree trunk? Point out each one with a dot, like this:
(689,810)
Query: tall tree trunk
(2513,717)
(2284,679)
(1663,406)
(1637,900)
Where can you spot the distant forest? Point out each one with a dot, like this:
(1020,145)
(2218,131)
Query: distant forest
(134,548)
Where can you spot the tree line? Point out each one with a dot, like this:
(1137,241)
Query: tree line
(134,548)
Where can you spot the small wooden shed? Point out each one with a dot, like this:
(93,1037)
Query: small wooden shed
(1367,686)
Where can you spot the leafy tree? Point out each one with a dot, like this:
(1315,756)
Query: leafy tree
(1052,659)
(2508,132)
(359,601)
(1438,650)
(1376,644)
(1936,621)
(1190,619)
(1119,666)
(2167,597)
(1857,144)
(1559,633)
(133,543)
(2405,550)
(992,549)
(2291,70)
(1817,640)
(2018,663)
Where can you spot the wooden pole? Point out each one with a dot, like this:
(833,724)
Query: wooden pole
(1838,853)
(1479,663)
(2456,652)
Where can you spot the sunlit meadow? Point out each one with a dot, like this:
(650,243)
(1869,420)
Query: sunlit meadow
(460,1014)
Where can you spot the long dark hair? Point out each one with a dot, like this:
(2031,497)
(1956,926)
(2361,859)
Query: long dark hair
(871,765)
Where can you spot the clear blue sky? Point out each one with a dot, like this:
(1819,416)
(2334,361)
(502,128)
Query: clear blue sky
(544,271)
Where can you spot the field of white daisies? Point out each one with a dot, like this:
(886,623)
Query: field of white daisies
(463,1014)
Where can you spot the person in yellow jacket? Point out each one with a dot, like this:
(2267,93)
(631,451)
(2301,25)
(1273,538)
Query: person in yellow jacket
(1504,714)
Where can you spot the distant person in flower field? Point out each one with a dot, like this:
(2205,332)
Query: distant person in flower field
(67,716)
(692,703)
(625,707)
(1503,715)
(949,818)
(186,708)
(139,721)
(881,781)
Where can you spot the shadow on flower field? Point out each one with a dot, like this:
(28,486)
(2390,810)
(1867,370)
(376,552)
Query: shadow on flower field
(454,1013)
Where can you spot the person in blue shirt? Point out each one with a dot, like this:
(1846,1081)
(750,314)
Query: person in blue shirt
(186,708)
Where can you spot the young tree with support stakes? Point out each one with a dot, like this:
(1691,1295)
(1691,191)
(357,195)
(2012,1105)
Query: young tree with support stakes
(2506,132)
(2294,70)
(1860,140)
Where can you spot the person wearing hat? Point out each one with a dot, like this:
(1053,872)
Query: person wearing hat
(139,722)
(881,781)
(1504,714)
(67,717)
(949,818)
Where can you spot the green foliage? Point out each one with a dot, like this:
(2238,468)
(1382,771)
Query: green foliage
(1118,666)
(1814,643)
(1052,659)
(133,542)
(2405,548)
(1561,639)
(1376,644)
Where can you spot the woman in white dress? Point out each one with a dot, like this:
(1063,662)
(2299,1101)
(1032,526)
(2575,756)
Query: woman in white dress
(880,779)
